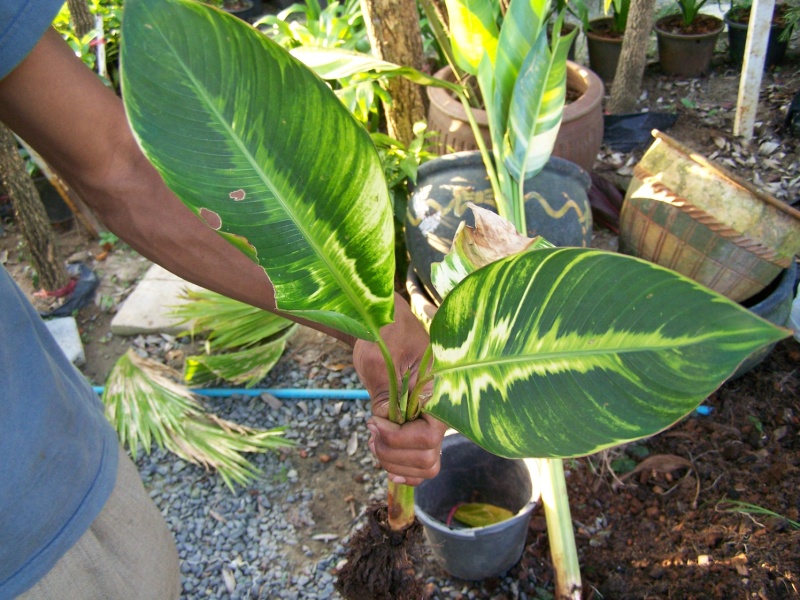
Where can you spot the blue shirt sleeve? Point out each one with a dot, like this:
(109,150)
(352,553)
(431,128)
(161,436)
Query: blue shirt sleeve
(22,24)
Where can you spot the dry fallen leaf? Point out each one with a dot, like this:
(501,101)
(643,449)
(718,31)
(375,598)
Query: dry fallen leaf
(352,444)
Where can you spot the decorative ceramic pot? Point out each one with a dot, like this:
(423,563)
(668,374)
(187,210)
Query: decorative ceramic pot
(579,138)
(686,214)
(687,53)
(556,206)
(471,474)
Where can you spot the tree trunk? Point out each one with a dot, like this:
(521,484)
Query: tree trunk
(30,214)
(82,20)
(630,70)
(395,36)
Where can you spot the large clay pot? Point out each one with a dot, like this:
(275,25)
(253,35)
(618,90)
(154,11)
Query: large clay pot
(694,217)
(686,54)
(579,138)
(471,474)
(556,206)
(604,48)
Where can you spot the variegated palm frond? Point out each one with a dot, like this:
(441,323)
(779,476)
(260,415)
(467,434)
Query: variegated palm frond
(146,405)
(229,323)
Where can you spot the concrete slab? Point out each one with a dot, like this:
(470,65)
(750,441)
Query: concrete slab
(65,332)
(148,308)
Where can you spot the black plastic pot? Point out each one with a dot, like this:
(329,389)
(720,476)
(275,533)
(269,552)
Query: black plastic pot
(471,474)
(604,49)
(737,38)
(59,214)
(556,206)
(685,55)
(773,304)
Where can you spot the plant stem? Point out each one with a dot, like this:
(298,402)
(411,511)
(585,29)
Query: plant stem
(563,551)
(425,375)
(395,415)
(487,158)
(400,501)
(401,506)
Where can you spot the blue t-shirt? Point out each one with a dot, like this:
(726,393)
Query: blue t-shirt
(22,23)
(58,454)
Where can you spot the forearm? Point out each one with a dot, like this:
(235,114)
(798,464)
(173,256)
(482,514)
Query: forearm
(79,126)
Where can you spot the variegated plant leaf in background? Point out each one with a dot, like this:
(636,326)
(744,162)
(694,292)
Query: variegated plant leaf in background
(541,355)
(241,367)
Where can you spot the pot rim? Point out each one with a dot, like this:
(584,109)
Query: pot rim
(473,158)
(596,36)
(475,532)
(689,36)
(591,95)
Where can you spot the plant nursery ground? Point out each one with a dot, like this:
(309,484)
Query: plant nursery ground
(707,509)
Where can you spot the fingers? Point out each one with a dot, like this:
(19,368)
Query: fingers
(410,453)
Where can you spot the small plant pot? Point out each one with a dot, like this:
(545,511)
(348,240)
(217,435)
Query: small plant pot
(686,54)
(471,474)
(696,218)
(774,304)
(737,38)
(59,214)
(604,47)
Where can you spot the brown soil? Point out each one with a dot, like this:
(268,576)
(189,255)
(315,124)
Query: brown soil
(382,564)
(701,25)
(669,528)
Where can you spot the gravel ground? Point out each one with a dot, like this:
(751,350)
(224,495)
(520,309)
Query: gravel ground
(263,541)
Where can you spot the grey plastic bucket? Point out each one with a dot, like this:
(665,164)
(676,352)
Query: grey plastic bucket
(471,474)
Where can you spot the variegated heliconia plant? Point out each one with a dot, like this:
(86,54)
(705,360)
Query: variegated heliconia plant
(522,79)
(548,353)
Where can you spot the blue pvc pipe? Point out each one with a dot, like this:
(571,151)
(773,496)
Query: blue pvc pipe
(284,393)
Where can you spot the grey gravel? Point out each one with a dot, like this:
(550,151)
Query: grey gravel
(241,545)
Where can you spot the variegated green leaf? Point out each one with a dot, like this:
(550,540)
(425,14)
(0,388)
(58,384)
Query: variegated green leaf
(566,351)
(473,32)
(522,28)
(336,63)
(492,238)
(243,367)
(537,105)
(481,514)
(262,150)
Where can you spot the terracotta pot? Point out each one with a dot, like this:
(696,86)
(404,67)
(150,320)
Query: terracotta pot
(686,54)
(691,216)
(604,48)
(578,140)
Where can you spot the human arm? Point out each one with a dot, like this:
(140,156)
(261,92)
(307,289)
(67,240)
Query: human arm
(79,126)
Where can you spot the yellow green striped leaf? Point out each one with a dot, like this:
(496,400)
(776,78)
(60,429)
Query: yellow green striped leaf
(262,150)
(566,351)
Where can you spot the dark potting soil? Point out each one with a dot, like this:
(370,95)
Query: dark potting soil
(681,514)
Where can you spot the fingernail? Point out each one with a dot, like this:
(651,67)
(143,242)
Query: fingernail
(397,478)
(371,444)
(372,429)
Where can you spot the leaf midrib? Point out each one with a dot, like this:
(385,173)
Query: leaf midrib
(279,197)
